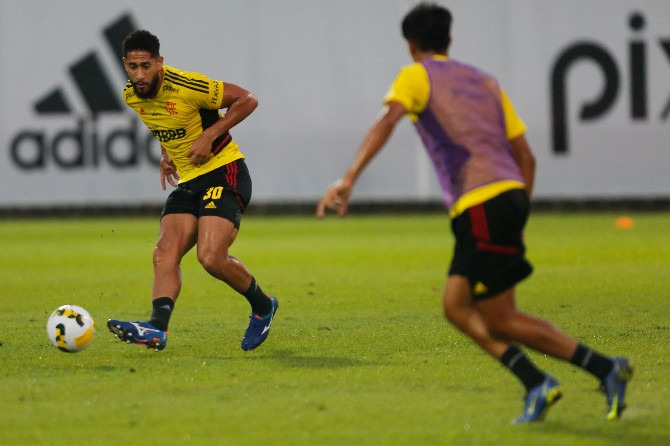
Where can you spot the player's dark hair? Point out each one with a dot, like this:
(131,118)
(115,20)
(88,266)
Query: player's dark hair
(141,40)
(428,26)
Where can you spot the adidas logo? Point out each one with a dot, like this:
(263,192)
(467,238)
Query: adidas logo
(210,205)
(480,288)
(88,143)
(89,75)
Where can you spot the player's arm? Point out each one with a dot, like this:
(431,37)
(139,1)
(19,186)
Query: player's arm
(525,159)
(516,134)
(168,170)
(240,104)
(337,196)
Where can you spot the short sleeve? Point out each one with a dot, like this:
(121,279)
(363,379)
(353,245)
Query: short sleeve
(411,88)
(205,93)
(514,126)
(214,98)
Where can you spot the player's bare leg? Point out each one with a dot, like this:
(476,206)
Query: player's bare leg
(460,310)
(215,236)
(176,237)
(503,319)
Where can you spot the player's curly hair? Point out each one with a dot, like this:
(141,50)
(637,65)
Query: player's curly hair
(428,26)
(141,40)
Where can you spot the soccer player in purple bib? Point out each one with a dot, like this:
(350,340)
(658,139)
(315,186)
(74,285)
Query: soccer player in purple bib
(486,170)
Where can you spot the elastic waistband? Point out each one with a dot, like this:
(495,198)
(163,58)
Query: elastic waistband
(482,194)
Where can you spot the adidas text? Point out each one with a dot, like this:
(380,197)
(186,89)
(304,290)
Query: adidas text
(83,146)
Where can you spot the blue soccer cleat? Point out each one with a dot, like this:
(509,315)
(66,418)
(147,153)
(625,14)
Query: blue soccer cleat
(539,399)
(259,328)
(136,332)
(614,387)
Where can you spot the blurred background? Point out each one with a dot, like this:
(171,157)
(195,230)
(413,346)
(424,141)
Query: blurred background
(589,77)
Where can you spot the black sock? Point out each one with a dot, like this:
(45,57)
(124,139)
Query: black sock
(160,316)
(519,364)
(591,361)
(259,301)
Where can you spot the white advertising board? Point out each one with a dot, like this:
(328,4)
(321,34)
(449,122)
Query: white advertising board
(589,77)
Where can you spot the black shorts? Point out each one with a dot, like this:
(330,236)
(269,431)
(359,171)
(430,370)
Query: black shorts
(223,192)
(489,247)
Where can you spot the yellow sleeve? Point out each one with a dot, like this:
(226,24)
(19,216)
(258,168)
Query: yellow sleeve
(514,126)
(206,93)
(213,100)
(216,94)
(411,88)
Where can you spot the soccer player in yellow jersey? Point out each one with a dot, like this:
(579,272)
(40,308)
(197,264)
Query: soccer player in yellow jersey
(486,170)
(212,185)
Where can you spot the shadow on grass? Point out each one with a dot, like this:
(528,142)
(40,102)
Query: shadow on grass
(289,358)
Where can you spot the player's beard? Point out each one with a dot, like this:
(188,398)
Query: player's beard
(153,88)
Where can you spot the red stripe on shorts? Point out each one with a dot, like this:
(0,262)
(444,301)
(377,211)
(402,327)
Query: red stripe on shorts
(499,249)
(480,228)
(234,175)
(231,174)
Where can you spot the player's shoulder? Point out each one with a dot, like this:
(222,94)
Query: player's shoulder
(411,74)
(191,81)
(413,69)
(174,71)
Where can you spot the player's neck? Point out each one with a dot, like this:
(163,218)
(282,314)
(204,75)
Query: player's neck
(418,56)
(160,82)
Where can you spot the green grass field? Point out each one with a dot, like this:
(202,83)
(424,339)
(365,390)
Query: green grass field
(359,353)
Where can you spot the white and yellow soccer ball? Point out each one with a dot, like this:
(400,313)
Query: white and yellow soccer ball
(70,328)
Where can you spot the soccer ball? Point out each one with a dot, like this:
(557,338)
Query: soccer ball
(70,328)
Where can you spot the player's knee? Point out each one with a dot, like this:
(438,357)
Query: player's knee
(214,262)
(164,258)
(453,313)
(500,328)
(207,259)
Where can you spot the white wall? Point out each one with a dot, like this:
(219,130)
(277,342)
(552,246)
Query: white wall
(320,69)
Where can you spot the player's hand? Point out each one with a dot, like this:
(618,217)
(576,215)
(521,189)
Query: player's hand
(336,199)
(201,150)
(168,171)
